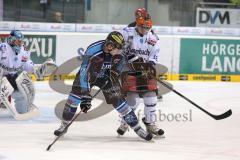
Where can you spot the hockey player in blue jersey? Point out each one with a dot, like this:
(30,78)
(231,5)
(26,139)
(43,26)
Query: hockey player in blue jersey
(102,62)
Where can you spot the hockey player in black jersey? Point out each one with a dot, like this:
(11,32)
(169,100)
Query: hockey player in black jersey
(102,62)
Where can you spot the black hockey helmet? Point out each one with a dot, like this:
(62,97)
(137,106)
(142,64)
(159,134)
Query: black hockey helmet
(116,39)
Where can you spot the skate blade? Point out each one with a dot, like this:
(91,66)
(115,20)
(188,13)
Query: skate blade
(119,136)
(159,137)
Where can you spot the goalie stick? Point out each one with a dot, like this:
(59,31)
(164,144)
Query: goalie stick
(216,117)
(74,118)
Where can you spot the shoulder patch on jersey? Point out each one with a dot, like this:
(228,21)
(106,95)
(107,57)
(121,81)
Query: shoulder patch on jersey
(24,59)
(127,29)
(94,48)
(153,34)
(151,41)
(3,47)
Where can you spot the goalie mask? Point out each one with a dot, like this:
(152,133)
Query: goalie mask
(15,40)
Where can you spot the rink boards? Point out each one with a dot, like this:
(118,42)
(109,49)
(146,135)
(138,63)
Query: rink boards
(187,57)
(170,77)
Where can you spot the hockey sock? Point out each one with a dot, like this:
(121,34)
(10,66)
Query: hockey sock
(70,107)
(150,108)
(131,119)
(128,114)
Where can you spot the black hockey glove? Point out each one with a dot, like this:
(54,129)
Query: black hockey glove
(149,70)
(135,62)
(85,103)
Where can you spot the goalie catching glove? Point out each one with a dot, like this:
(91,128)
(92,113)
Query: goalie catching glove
(46,69)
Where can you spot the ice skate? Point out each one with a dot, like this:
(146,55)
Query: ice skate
(61,130)
(143,134)
(153,128)
(122,128)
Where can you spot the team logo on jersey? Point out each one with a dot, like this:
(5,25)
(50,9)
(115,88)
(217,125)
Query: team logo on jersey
(141,40)
(140,52)
(16,58)
(151,42)
(106,66)
(3,47)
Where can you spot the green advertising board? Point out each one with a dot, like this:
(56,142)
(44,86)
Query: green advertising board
(209,56)
(41,47)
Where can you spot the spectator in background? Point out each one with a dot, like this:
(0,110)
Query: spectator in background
(58,17)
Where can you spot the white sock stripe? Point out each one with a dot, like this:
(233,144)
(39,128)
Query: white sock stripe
(126,111)
(121,105)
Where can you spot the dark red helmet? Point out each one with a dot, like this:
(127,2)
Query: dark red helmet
(140,12)
(145,21)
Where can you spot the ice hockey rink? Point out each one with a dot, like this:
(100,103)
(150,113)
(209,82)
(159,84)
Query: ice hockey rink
(195,137)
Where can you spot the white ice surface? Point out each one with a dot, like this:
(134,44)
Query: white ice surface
(202,138)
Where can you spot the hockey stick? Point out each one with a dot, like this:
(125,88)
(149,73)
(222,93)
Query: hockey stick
(74,118)
(216,117)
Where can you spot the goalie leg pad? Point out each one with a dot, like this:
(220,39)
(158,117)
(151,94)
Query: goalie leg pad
(20,102)
(33,113)
(6,91)
(6,87)
(26,87)
(4,102)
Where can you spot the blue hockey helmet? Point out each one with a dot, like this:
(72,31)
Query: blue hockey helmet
(15,40)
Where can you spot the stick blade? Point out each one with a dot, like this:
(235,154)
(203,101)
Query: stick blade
(48,148)
(224,115)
